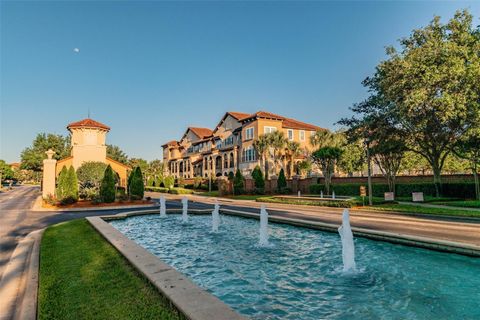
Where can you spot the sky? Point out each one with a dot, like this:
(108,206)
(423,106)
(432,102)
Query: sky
(151,69)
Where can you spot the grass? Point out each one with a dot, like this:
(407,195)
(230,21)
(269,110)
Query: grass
(83,277)
(428,199)
(418,209)
(237,197)
(463,203)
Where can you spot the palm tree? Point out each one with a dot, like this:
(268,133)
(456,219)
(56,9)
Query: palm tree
(326,138)
(277,142)
(292,149)
(261,145)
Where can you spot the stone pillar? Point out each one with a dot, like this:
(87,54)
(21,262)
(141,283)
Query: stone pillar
(49,168)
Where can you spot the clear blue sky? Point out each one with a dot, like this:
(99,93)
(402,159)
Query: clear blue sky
(150,69)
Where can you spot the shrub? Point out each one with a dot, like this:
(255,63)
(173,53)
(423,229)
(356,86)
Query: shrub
(107,188)
(197,182)
(257,176)
(90,174)
(238,183)
(61,183)
(169,181)
(87,193)
(181,182)
(72,186)
(136,187)
(157,189)
(180,191)
(282,181)
(455,190)
(67,187)
(231,176)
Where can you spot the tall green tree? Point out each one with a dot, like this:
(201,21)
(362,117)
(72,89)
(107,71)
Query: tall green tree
(117,154)
(90,174)
(292,150)
(257,176)
(282,181)
(277,142)
(72,186)
(6,171)
(353,158)
(136,187)
(32,157)
(326,158)
(262,145)
(468,148)
(61,188)
(107,188)
(430,87)
(238,182)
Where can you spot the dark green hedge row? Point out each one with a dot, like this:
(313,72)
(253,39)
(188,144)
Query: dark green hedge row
(172,190)
(455,190)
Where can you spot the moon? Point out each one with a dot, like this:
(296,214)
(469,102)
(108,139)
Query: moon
(76,50)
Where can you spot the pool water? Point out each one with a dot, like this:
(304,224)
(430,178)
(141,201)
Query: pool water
(300,275)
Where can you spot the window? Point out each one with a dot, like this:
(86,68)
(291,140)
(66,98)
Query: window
(228,141)
(249,133)
(248,154)
(290,134)
(269,129)
(219,144)
(302,135)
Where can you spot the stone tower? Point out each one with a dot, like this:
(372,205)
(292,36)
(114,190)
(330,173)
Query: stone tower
(88,141)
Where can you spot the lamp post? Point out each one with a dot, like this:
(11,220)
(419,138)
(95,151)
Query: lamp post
(369,170)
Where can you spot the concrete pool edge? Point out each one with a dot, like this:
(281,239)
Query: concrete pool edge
(408,240)
(189,299)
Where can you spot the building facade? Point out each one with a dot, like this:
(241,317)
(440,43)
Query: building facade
(202,152)
(88,143)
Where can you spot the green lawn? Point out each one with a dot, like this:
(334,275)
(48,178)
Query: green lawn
(465,203)
(428,199)
(83,277)
(238,197)
(412,209)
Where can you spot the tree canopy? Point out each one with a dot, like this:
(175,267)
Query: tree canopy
(115,153)
(32,157)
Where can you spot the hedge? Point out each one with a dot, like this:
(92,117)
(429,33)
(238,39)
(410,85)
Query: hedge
(157,189)
(455,190)
(180,191)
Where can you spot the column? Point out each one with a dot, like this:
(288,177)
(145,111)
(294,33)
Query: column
(49,175)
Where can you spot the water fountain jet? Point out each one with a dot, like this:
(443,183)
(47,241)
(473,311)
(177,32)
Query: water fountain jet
(348,247)
(216,217)
(184,209)
(163,210)
(263,227)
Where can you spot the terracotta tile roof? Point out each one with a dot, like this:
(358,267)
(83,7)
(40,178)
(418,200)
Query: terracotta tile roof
(295,124)
(172,143)
(201,132)
(88,123)
(263,114)
(238,115)
(117,162)
(286,122)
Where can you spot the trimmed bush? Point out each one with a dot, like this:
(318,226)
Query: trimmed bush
(180,191)
(282,180)
(67,186)
(238,183)
(169,181)
(257,176)
(453,190)
(136,187)
(72,185)
(157,189)
(61,184)
(107,188)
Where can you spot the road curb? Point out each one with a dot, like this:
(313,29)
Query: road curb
(19,283)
